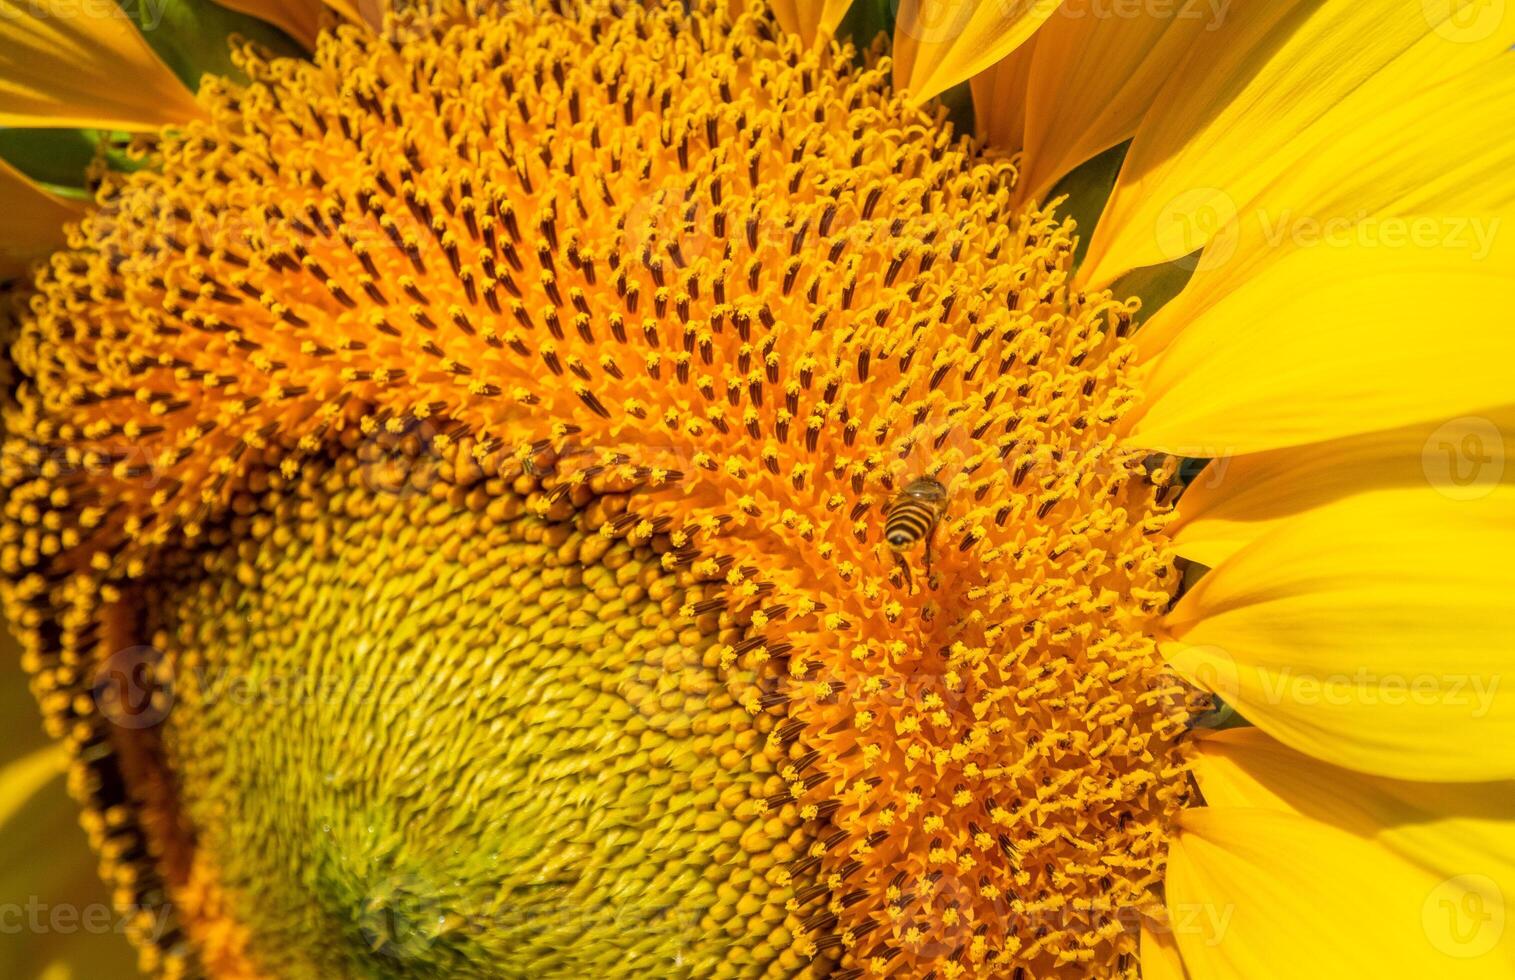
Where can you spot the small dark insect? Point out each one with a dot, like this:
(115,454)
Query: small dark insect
(914,514)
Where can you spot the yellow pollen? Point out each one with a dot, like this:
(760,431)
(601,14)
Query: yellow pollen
(528,297)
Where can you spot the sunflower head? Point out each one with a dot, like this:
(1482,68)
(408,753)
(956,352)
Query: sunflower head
(607,490)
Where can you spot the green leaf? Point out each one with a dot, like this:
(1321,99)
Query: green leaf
(58,158)
(1156,284)
(959,102)
(1087,188)
(193,37)
(49,156)
(866,20)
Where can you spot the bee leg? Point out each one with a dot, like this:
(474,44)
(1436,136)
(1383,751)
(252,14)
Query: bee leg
(930,575)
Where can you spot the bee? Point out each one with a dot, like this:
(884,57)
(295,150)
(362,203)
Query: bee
(913,515)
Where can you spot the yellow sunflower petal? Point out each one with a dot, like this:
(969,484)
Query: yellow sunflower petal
(34,221)
(1373,632)
(1233,502)
(370,12)
(21,779)
(1392,192)
(812,20)
(1277,83)
(1326,343)
(49,882)
(999,100)
(939,43)
(1449,829)
(90,70)
(1093,79)
(1257,893)
(299,18)
(1159,953)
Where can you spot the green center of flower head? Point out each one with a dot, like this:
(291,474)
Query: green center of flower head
(525,396)
(459,741)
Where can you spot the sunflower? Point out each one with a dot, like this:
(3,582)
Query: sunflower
(449,452)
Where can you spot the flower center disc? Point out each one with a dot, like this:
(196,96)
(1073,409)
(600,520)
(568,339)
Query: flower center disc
(663,312)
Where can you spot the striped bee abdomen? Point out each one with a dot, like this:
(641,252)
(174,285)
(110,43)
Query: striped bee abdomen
(914,512)
(909,520)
